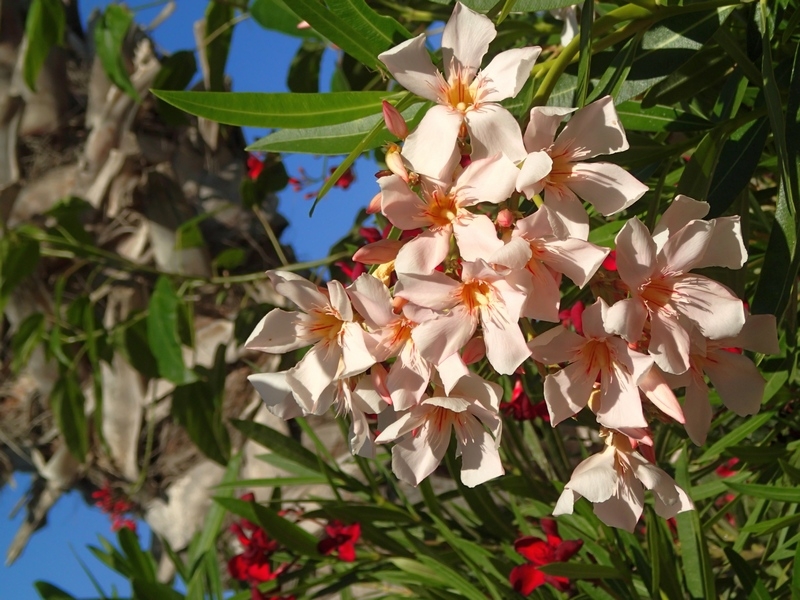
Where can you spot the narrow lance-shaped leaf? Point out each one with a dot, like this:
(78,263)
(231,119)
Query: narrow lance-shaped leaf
(251,109)
(110,33)
(162,333)
(44,28)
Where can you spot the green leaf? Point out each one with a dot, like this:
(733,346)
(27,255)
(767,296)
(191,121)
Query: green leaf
(768,492)
(153,590)
(215,517)
(162,333)
(279,443)
(177,71)
(696,177)
(304,71)
(659,118)
(585,60)
(371,514)
(19,257)
(110,33)
(281,530)
(737,162)
(694,548)
(198,408)
(251,109)
(429,572)
(771,526)
(50,592)
(28,336)
(704,69)
(68,406)
(353,27)
(753,587)
(580,571)
(44,28)
(333,139)
(218,36)
(736,435)
(142,564)
(277,16)
(612,80)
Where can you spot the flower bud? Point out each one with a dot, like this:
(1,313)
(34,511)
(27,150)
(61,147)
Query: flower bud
(394,161)
(505,218)
(474,350)
(378,252)
(374,205)
(395,122)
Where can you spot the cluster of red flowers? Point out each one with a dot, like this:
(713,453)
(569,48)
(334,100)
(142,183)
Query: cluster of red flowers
(521,407)
(256,162)
(340,539)
(526,578)
(116,506)
(254,565)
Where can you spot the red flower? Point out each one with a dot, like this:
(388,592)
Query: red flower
(110,502)
(573,316)
(610,262)
(346,179)
(254,166)
(342,539)
(253,565)
(521,408)
(526,578)
(726,469)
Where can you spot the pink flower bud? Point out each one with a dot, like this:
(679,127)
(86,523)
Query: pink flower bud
(374,205)
(394,161)
(505,218)
(474,351)
(395,122)
(379,252)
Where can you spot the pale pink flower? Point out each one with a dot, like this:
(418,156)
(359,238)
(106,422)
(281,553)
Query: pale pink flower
(276,394)
(737,380)
(598,355)
(483,295)
(555,163)
(443,209)
(550,253)
(341,347)
(409,374)
(464,96)
(656,271)
(471,410)
(614,481)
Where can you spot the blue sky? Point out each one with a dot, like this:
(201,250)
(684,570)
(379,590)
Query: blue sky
(258,62)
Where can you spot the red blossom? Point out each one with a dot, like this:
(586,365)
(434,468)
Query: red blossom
(254,564)
(347,178)
(340,538)
(573,316)
(255,165)
(115,505)
(610,262)
(726,469)
(539,552)
(521,408)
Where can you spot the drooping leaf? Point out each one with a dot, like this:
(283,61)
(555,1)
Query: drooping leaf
(768,492)
(27,338)
(68,405)
(250,109)
(738,160)
(753,587)
(279,443)
(19,257)
(162,333)
(278,16)
(44,28)
(304,71)
(217,40)
(110,33)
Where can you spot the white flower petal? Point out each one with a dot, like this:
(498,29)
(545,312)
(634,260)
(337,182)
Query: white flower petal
(508,72)
(493,130)
(465,41)
(411,66)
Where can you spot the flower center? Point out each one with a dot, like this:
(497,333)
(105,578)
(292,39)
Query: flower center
(475,294)
(656,292)
(326,324)
(441,209)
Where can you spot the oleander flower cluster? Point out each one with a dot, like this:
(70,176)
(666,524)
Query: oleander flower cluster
(489,219)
